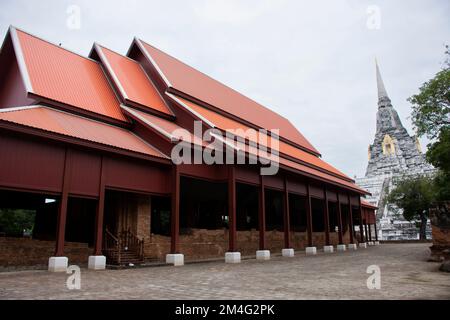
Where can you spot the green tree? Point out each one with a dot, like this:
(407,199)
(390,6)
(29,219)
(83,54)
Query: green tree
(414,195)
(431,117)
(14,221)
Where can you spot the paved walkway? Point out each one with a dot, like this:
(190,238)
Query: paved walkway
(405,274)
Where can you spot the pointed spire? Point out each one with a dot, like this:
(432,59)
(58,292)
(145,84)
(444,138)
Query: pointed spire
(380,85)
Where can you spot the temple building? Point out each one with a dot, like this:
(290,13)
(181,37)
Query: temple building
(393,155)
(88,148)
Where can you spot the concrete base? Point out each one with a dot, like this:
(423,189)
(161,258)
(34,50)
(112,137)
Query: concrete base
(377,243)
(97,263)
(288,252)
(371,243)
(58,264)
(341,247)
(311,250)
(232,257)
(328,249)
(352,246)
(177,259)
(262,254)
(363,245)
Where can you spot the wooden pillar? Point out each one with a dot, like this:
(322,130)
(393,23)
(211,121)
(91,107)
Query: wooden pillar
(375,226)
(232,208)
(262,215)
(369,226)
(309,216)
(62,211)
(175,214)
(350,222)
(340,234)
(361,231)
(326,216)
(100,211)
(286,222)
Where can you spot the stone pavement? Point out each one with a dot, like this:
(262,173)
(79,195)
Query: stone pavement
(405,274)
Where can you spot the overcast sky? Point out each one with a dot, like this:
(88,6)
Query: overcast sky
(312,62)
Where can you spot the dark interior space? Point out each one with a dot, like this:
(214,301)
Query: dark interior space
(317,212)
(297,212)
(203,205)
(80,223)
(28,215)
(345,217)
(334,216)
(247,206)
(274,210)
(160,219)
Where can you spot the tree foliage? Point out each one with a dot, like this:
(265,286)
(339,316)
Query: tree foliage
(414,195)
(14,221)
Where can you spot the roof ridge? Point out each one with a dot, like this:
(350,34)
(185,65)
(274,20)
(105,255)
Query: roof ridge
(21,108)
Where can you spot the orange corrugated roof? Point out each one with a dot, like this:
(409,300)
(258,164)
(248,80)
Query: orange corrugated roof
(196,84)
(225,123)
(134,81)
(67,124)
(67,77)
(368,204)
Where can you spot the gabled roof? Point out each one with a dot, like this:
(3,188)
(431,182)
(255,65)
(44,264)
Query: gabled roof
(133,83)
(54,73)
(63,123)
(367,204)
(196,84)
(224,123)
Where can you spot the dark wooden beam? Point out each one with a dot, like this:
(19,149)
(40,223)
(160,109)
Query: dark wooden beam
(350,222)
(309,225)
(175,217)
(62,211)
(326,216)
(340,234)
(361,231)
(262,215)
(232,208)
(286,222)
(375,226)
(100,211)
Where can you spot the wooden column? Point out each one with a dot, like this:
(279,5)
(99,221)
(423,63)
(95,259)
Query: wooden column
(62,211)
(326,217)
(350,218)
(286,222)
(100,212)
(341,241)
(175,214)
(361,231)
(309,216)
(262,215)
(375,226)
(232,208)
(369,226)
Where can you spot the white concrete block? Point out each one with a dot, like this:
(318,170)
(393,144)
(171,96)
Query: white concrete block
(177,259)
(58,264)
(363,245)
(352,246)
(341,247)
(328,249)
(97,263)
(377,243)
(287,252)
(262,254)
(311,250)
(232,257)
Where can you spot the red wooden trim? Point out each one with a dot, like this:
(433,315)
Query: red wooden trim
(175,218)
(232,208)
(286,222)
(262,215)
(62,212)
(309,225)
(326,217)
(100,211)
(350,212)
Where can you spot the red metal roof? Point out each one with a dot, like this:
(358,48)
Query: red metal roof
(226,123)
(66,77)
(133,82)
(67,124)
(368,205)
(198,85)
